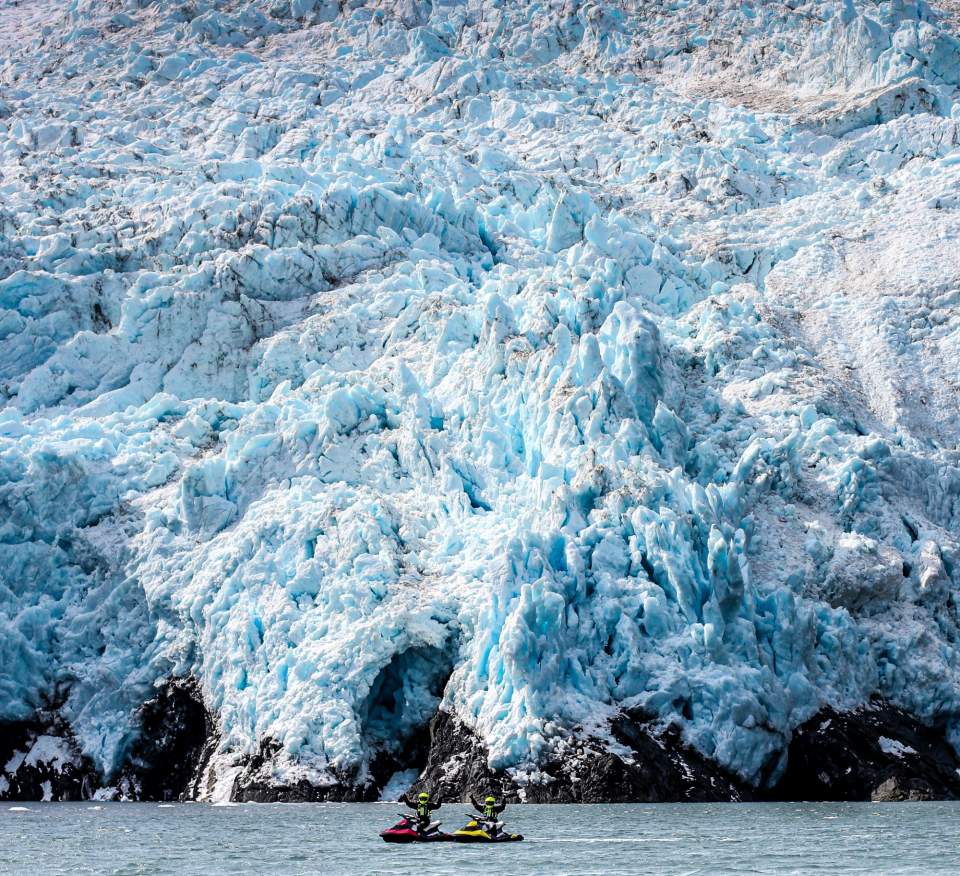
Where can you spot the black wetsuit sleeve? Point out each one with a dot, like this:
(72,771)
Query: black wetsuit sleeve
(435,806)
(403,799)
(476,805)
(500,808)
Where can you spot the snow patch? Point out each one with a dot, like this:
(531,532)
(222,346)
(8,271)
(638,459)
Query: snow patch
(15,761)
(895,747)
(53,752)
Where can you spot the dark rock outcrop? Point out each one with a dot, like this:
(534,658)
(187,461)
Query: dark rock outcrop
(40,760)
(875,753)
(167,755)
(898,790)
(255,784)
(457,764)
(660,768)
(301,792)
(250,789)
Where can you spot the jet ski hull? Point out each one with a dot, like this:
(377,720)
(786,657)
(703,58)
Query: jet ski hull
(474,832)
(404,831)
(411,836)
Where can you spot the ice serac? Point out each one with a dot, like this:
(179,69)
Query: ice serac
(556,396)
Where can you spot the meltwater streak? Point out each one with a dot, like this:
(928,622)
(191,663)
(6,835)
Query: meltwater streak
(341,840)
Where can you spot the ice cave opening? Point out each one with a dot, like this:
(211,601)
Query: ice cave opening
(396,714)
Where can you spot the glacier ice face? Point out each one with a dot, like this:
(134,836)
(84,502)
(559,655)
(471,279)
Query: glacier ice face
(533,361)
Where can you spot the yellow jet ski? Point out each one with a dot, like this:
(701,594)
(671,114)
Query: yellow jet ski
(479,831)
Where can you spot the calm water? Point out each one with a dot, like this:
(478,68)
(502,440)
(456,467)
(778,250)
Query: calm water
(197,840)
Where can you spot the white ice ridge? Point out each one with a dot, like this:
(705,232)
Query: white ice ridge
(603,355)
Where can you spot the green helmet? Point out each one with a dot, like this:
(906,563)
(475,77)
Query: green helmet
(490,800)
(424,797)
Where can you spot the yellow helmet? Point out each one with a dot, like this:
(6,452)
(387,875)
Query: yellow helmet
(490,800)
(424,797)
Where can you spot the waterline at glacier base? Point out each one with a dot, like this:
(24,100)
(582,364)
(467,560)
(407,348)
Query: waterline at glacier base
(556,400)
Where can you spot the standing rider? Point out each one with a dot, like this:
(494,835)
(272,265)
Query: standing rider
(490,811)
(424,806)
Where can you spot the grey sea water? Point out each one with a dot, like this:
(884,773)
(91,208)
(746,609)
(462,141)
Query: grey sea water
(332,839)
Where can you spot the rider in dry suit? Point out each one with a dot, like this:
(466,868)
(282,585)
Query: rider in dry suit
(423,807)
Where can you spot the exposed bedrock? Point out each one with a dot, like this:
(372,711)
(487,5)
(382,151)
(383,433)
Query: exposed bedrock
(168,753)
(455,763)
(256,784)
(876,753)
(41,760)
(660,769)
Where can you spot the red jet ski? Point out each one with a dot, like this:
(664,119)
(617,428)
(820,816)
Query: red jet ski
(405,831)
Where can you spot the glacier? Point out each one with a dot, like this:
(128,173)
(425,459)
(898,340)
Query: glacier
(530,363)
